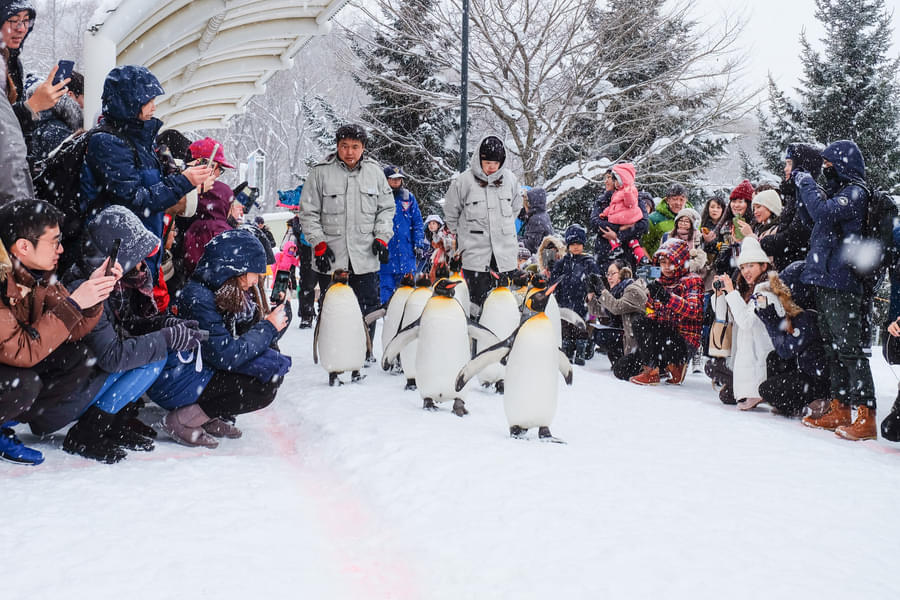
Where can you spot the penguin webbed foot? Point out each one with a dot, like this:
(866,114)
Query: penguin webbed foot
(333,379)
(517,432)
(545,436)
(428,404)
(498,387)
(410,384)
(459,407)
(356,377)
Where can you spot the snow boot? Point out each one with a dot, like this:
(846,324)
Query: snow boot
(640,255)
(306,322)
(580,352)
(890,427)
(726,395)
(14,451)
(677,373)
(123,435)
(221,428)
(130,415)
(863,428)
(615,251)
(838,415)
(185,426)
(749,403)
(88,437)
(648,376)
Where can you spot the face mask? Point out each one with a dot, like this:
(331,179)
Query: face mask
(830,173)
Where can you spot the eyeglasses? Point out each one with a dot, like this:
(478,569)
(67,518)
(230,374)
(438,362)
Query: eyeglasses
(19,23)
(55,242)
(612,273)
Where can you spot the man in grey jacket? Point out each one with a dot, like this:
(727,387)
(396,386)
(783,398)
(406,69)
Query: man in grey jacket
(347,215)
(15,179)
(481,207)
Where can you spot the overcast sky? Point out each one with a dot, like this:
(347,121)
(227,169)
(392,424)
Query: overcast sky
(771,36)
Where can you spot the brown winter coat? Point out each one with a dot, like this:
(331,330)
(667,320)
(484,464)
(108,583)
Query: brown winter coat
(36,318)
(631,304)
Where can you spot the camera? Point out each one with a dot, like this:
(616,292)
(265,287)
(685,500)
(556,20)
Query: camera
(718,285)
(648,272)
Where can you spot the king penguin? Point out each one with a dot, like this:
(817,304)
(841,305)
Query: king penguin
(532,359)
(394,314)
(461,293)
(341,338)
(412,310)
(500,314)
(538,284)
(443,334)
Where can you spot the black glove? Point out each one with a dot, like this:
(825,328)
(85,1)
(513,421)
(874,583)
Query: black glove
(380,249)
(768,314)
(658,292)
(175,321)
(324,257)
(596,283)
(181,337)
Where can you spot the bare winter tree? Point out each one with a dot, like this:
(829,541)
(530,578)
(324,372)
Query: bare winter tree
(58,34)
(547,71)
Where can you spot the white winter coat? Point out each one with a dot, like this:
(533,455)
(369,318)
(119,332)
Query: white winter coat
(750,345)
(483,217)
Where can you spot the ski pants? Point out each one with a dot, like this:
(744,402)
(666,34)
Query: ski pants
(121,389)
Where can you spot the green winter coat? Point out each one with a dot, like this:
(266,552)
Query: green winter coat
(662,220)
(348,209)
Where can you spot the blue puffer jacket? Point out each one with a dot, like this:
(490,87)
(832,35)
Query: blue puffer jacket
(572,273)
(837,214)
(804,344)
(409,233)
(228,255)
(109,164)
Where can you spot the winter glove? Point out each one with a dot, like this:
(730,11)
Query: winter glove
(324,257)
(658,292)
(380,249)
(596,283)
(175,321)
(798,176)
(768,314)
(181,337)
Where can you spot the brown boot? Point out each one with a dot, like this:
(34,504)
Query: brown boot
(677,373)
(648,376)
(838,415)
(185,426)
(863,428)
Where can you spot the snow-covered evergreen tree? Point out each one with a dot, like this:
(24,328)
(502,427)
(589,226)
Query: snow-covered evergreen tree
(850,90)
(408,129)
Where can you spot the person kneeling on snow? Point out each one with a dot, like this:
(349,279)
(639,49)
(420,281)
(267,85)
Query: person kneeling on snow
(243,366)
(750,340)
(131,341)
(44,367)
(670,333)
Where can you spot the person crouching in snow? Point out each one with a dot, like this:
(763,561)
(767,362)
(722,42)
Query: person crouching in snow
(797,370)
(243,369)
(622,213)
(750,339)
(573,273)
(670,334)
(131,341)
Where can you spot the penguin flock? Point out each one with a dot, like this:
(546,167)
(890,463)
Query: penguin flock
(429,337)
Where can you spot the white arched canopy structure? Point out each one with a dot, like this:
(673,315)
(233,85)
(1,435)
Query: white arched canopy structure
(211,56)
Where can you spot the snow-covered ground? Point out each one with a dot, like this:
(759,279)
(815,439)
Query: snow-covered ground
(355,492)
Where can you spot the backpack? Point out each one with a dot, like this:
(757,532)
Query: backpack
(58,182)
(878,233)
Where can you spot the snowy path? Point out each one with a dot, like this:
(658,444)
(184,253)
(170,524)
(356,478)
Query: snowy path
(355,492)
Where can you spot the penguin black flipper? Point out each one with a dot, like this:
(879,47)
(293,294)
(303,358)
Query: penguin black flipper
(569,315)
(482,334)
(488,356)
(565,367)
(403,337)
(316,340)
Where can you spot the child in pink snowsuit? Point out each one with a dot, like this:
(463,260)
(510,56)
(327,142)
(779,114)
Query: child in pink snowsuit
(623,210)
(286,262)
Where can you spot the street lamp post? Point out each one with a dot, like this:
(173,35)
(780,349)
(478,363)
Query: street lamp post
(464,84)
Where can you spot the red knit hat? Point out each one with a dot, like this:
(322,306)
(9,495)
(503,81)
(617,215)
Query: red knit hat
(744,190)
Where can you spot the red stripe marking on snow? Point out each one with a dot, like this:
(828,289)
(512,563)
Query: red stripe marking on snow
(384,576)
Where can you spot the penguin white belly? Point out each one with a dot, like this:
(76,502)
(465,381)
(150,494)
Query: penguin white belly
(443,350)
(532,373)
(394,315)
(501,315)
(552,312)
(461,293)
(342,335)
(413,310)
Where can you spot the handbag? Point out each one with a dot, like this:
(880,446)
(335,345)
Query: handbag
(720,334)
(890,348)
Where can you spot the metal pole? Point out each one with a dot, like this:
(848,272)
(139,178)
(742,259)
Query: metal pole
(464,85)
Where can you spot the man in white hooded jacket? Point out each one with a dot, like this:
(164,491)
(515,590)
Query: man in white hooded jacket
(480,208)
